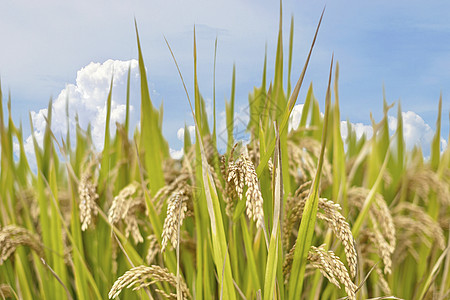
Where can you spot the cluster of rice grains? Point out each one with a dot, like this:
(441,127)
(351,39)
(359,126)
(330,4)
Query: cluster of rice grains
(87,191)
(12,236)
(327,262)
(176,195)
(238,174)
(125,206)
(143,276)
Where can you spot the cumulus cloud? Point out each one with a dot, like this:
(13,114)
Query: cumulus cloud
(176,154)
(359,128)
(180,133)
(415,130)
(87,100)
(294,119)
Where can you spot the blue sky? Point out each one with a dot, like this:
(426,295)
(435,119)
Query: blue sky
(47,46)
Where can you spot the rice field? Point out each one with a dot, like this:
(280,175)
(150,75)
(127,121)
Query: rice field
(300,214)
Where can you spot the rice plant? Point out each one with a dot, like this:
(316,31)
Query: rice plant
(287,214)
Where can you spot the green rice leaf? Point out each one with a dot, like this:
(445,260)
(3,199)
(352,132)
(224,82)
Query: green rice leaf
(307,224)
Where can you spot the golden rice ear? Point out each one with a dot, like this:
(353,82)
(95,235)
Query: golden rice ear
(332,268)
(415,226)
(6,291)
(424,180)
(329,265)
(241,173)
(13,236)
(142,276)
(334,219)
(126,206)
(381,229)
(153,249)
(176,211)
(342,231)
(87,190)
(253,195)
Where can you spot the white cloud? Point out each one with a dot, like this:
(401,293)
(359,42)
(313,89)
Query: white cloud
(359,128)
(176,154)
(294,119)
(87,99)
(416,131)
(180,133)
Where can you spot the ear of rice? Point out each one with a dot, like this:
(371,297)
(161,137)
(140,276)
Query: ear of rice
(143,276)
(13,236)
(329,265)
(176,210)
(331,216)
(126,205)
(87,191)
(241,173)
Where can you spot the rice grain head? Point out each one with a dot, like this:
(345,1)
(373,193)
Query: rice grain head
(329,265)
(241,173)
(341,229)
(143,276)
(423,181)
(332,268)
(253,194)
(5,291)
(13,236)
(87,190)
(176,210)
(126,205)
(180,184)
(415,227)
(229,193)
(153,249)
(329,212)
(380,230)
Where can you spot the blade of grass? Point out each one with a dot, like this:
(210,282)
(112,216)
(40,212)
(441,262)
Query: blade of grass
(272,258)
(219,241)
(293,98)
(307,224)
(432,276)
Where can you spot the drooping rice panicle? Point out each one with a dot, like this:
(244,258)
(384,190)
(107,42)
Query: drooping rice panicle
(423,180)
(415,227)
(143,276)
(382,232)
(176,210)
(125,207)
(87,191)
(329,212)
(153,249)
(12,236)
(329,264)
(253,195)
(341,229)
